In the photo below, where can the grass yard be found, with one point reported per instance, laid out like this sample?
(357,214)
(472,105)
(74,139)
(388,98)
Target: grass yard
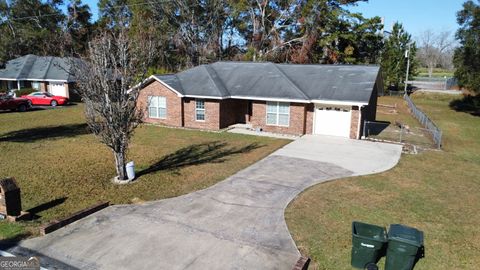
(62,168)
(394,110)
(435,191)
(437,73)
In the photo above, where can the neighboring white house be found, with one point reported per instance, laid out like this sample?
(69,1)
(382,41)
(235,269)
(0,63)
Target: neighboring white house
(42,73)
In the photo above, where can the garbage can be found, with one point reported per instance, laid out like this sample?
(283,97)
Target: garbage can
(405,247)
(368,244)
(130,167)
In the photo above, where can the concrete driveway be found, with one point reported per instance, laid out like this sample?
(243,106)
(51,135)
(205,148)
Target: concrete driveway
(236,224)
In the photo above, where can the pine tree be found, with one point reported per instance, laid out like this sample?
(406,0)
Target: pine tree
(393,60)
(467,56)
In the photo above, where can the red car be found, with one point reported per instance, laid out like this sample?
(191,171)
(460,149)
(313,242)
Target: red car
(15,104)
(43,98)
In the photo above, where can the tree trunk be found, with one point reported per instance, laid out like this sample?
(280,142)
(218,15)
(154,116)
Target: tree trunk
(120,165)
(430,71)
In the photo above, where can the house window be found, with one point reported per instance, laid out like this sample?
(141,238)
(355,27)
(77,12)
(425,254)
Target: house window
(157,107)
(36,85)
(200,110)
(278,113)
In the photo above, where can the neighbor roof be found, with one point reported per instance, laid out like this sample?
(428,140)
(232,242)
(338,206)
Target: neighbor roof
(264,80)
(37,68)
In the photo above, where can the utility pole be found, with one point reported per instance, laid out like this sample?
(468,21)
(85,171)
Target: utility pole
(407,55)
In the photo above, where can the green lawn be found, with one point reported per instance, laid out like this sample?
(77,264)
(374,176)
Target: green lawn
(436,191)
(395,111)
(62,168)
(437,73)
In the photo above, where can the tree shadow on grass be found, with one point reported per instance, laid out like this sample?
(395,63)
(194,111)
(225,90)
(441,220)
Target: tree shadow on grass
(40,133)
(45,206)
(211,152)
(469,104)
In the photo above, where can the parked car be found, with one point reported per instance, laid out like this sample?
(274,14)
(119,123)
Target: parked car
(43,98)
(8,102)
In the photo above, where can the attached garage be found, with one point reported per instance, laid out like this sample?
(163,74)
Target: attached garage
(57,89)
(332,120)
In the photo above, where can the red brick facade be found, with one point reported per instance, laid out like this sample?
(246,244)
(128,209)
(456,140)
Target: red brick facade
(354,122)
(297,118)
(212,114)
(223,113)
(174,104)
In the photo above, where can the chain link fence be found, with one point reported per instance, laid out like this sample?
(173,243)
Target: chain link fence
(399,133)
(429,136)
(426,122)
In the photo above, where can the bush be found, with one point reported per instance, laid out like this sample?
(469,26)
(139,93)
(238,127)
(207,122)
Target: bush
(25,91)
(469,103)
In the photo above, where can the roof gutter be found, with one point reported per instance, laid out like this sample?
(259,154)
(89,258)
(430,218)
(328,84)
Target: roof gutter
(339,102)
(35,80)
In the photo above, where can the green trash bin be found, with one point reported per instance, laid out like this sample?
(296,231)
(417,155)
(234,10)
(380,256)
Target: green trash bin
(368,244)
(405,247)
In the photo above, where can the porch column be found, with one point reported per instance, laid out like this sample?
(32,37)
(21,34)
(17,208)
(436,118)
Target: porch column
(18,85)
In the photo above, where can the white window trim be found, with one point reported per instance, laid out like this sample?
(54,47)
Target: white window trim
(204,110)
(277,114)
(158,114)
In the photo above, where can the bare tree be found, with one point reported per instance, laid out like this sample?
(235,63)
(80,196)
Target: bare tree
(109,80)
(434,49)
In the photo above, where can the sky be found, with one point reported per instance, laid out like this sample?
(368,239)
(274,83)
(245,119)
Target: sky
(415,15)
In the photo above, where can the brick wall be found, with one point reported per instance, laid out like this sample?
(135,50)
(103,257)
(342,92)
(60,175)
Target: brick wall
(174,104)
(297,118)
(310,110)
(354,122)
(212,114)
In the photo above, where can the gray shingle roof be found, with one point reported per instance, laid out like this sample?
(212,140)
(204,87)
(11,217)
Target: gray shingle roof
(276,81)
(32,67)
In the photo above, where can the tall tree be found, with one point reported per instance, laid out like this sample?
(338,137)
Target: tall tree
(24,28)
(109,81)
(467,56)
(393,59)
(196,28)
(434,49)
(78,27)
(114,13)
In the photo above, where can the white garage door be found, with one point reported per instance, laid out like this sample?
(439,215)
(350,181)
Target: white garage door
(57,89)
(334,121)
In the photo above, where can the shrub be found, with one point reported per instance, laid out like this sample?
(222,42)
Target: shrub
(25,91)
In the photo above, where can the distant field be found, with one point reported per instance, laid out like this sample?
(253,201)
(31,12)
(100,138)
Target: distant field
(436,191)
(438,73)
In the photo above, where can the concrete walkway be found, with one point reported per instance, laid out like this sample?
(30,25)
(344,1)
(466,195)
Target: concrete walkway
(236,224)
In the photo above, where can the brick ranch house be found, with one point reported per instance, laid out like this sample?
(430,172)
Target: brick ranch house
(42,73)
(281,98)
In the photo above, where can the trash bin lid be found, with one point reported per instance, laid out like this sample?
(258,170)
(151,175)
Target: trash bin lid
(406,234)
(368,231)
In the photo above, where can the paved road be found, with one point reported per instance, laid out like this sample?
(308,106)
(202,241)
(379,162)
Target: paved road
(236,224)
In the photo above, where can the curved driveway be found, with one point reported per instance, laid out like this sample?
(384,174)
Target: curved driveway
(236,224)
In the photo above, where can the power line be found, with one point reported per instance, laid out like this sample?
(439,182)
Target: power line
(56,14)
